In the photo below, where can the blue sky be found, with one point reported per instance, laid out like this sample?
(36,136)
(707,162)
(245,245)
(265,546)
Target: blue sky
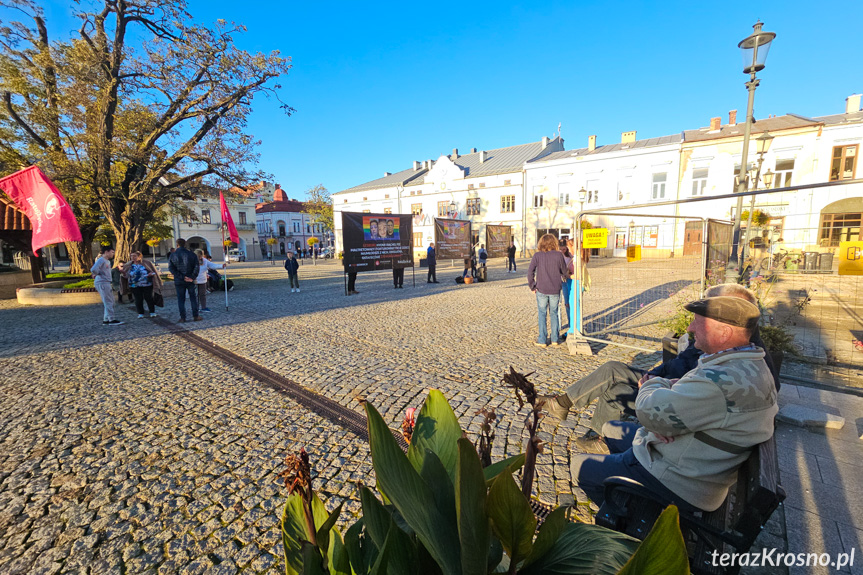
(377,85)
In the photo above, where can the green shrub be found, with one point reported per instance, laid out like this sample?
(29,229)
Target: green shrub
(88,283)
(442,512)
(65,275)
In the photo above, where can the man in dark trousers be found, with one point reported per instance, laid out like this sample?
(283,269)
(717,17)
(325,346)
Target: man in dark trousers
(398,276)
(352,279)
(184,266)
(293,266)
(510,257)
(432,261)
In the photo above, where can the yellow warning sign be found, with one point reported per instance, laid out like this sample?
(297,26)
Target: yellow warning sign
(595,238)
(633,253)
(851,258)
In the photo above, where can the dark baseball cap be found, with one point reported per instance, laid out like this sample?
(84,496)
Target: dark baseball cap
(727,309)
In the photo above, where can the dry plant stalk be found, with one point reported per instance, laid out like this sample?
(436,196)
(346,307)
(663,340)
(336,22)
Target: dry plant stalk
(486,437)
(298,479)
(521,385)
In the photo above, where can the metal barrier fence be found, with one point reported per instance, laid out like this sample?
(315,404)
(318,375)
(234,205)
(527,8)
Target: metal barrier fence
(789,257)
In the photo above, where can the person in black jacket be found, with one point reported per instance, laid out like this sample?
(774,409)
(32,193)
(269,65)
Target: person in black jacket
(184,266)
(432,262)
(510,257)
(616,384)
(293,268)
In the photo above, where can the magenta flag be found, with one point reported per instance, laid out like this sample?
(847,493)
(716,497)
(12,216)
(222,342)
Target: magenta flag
(226,218)
(50,216)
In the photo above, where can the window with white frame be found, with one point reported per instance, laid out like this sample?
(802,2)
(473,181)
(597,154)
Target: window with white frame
(565,193)
(296,227)
(658,191)
(205,216)
(242,217)
(537,196)
(442,209)
(699,181)
(782,174)
(592,187)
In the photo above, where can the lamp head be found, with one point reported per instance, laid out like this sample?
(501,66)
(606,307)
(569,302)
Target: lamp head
(582,195)
(768,178)
(764,141)
(755,48)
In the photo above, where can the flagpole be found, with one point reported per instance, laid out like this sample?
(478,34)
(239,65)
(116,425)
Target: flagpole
(225,251)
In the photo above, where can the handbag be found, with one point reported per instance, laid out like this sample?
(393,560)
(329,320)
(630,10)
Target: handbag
(158,300)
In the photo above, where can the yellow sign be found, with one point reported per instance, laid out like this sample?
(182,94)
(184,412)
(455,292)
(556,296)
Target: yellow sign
(595,238)
(633,253)
(851,258)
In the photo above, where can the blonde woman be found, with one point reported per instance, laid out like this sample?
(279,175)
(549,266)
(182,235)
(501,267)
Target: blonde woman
(201,280)
(545,277)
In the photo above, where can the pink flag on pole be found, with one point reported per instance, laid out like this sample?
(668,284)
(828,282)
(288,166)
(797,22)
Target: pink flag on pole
(50,216)
(226,218)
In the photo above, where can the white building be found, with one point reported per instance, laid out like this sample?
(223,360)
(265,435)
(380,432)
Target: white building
(283,219)
(485,187)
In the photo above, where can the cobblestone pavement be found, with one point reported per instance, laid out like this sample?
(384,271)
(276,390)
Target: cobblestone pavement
(123,450)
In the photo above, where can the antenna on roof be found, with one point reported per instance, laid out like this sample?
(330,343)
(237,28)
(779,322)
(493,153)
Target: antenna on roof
(558,129)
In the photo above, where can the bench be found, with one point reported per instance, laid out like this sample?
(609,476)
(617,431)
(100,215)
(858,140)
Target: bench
(631,508)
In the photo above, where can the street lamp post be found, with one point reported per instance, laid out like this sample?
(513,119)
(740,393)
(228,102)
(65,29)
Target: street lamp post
(755,48)
(763,145)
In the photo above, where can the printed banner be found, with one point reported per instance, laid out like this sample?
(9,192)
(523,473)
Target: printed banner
(50,216)
(497,240)
(452,239)
(377,241)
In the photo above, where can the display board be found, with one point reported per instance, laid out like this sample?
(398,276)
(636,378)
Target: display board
(377,241)
(595,238)
(497,240)
(452,239)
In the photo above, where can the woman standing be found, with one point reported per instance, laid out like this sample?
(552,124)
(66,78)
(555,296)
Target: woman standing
(141,278)
(566,248)
(545,278)
(201,280)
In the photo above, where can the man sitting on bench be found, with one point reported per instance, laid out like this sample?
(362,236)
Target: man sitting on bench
(696,430)
(615,384)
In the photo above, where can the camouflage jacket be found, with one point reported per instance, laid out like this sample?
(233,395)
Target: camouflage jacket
(712,416)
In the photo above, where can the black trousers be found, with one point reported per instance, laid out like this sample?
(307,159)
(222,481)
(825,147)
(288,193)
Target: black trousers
(352,281)
(615,384)
(143,294)
(398,276)
(432,277)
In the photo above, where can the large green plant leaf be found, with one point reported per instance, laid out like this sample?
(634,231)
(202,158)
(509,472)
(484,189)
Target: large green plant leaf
(473,531)
(584,549)
(294,532)
(512,520)
(548,534)
(495,553)
(312,561)
(495,469)
(381,527)
(324,530)
(436,477)
(663,551)
(436,430)
(397,478)
(360,548)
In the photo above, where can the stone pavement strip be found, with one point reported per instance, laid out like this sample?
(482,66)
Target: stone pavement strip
(125,450)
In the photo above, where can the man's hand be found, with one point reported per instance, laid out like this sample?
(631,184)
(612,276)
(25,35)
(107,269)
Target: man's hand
(189,280)
(663,438)
(644,379)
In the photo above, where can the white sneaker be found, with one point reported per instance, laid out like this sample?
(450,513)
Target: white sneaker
(140,316)
(154,315)
(298,290)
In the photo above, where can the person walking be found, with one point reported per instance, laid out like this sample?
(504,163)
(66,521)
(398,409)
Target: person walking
(510,257)
(398,277)
(545,277)
(293,268)
(432,262)
(141,280)
(483,255)
(101,273)
(352,279)
(569,258)
(184,267)
(205,265)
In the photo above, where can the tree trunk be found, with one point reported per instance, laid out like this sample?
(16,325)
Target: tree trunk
(81,253)
(129,238)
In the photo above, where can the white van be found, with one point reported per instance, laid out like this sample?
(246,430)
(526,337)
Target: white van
(236,255)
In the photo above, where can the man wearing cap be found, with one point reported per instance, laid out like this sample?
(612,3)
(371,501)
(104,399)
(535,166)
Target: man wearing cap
(697,430)
(615,384)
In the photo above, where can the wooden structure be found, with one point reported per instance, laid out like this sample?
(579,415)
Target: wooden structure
(16,231)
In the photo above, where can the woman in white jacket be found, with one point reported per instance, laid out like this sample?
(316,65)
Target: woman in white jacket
(201,280)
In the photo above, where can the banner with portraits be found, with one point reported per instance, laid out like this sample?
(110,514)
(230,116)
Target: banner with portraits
(377,241)
(452,239)
(497,240)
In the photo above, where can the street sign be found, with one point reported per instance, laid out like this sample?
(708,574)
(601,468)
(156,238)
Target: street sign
(595,238)
(851,258)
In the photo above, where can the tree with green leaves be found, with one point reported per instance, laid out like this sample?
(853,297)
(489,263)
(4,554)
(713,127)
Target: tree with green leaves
(320,205)
(137,109)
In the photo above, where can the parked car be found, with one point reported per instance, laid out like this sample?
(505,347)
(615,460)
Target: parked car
(236,255)
(327,252)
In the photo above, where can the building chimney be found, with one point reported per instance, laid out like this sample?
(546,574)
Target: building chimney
(715,123)
(732,118)
(387,174)
(591,143)
(454,154)
(627,137)
(544,142)
(473,150)
(852,103)
(482,157)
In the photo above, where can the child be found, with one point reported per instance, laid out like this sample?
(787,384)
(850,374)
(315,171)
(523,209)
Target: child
(293,266)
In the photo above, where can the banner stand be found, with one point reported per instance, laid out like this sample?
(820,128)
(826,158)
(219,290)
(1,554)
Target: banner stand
(346,281)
